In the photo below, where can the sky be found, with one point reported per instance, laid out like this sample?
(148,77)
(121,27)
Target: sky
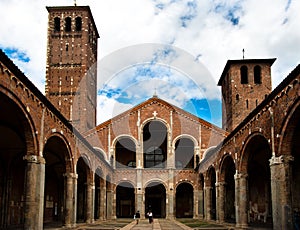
(175,49)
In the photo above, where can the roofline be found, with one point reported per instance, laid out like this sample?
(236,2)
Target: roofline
(243,61)
(87,8)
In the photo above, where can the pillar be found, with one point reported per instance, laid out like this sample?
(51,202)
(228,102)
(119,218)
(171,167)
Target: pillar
(34,188)
(170,196)
(201,203)
(207,202)
(196,204)
(102,200)
(241,200)
(220,189)
(90,199)
(70,197)
(282,212)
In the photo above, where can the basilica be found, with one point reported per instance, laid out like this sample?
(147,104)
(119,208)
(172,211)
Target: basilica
(58,166)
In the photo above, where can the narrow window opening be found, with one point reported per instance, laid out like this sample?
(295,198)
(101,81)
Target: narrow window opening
(68,24)
(244,74)
(67,47)
(56,24)
(237,97)
(78,23)
(247,104)
(257,74)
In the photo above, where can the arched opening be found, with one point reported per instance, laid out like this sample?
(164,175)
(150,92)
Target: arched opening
(98,200)
(78,23)
(16,139)
(56,24)
(201,196)
(155,199)
(184,201)
(211,196)
(125,153)
(155,144)
(55,153)
(227,174)
(125,200)
(68,24)
(244,74)
(259,181)
(82,172)
(184,154)
(257,74)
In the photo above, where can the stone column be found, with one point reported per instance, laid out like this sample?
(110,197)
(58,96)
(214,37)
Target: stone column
(102,200)
(139,192)
(109,205)
(196,204)
(74,220)
(200,203)
(170,196)
(241,200)
(69,202)
(90,199)
(207,202)
(34,188)
(220,189)
(280,192)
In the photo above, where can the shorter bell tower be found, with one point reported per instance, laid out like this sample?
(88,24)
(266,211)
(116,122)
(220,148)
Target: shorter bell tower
(245,84)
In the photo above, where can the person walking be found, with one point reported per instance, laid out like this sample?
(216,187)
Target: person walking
(150,216)
(137,216)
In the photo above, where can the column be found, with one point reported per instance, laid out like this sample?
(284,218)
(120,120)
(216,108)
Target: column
(282,212)
(196,204)
(102,200)
(170,202)
(139,192)
(90,199)
(201,203)
(75,177)
(220,188)
(207,202)
(69,204)
(34,187)
(241,196)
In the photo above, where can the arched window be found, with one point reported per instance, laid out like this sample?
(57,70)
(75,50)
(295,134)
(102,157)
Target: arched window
(154,158)
(78,24)
(67,24)
(244,74)
(257,74)
(125,153)
(56,24)
(184,154)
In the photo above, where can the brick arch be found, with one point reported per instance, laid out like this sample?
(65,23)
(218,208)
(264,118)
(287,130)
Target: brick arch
(155,180)
(223,164)
(184,182)
(208,174)
(185,136)
(287,131)
(116,139)
(69,159)
(155,119)
(102,152)
(121,181)
(244,156)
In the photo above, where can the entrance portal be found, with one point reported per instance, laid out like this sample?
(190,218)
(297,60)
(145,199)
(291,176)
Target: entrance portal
(156,199)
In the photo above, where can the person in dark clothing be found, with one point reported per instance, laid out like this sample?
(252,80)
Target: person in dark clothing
(137,216)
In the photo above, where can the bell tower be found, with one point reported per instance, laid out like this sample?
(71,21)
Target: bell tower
(245,83)
(71,70)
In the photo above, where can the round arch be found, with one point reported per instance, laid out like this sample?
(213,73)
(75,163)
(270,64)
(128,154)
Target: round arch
(125,151)
(125,200)
(210,183)
(184,153)
(101,153)
(155,198)
(184,200)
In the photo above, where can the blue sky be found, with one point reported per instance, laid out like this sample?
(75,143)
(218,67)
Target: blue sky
(177,48)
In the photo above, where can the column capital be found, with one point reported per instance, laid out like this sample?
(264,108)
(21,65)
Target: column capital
(283,159)
(71,175)
(34,159)
(238,176)
(221,183)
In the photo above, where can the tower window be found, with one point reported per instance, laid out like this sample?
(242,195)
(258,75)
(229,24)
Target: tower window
(247,104)
(237,97)
(78,23)
(68,24)
(56,24)
(244,74)
(257,74)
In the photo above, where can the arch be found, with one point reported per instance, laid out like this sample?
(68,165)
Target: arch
(68,22)
(184,200)
(185,136)
(208,152)
(78,23)
(255,163)
(101,153)
(227,172)
(56,24)
(257,74)
(184,153)
(290,146)
(17,140)
(125,200)
(125,152)
(244,74)
(155,137)
(155,199)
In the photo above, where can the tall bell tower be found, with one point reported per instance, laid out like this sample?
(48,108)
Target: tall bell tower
(71,70)
(245,83)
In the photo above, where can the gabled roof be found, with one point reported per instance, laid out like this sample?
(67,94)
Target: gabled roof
(243,61)
(155,100)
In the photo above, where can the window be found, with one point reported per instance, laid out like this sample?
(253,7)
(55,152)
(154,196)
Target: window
(244,74)
(78,24)
(257,74)
(68,24)
(237,97)
(154,158)
(56,24)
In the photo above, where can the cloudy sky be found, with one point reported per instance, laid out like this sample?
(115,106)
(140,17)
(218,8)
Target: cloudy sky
(174,48)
